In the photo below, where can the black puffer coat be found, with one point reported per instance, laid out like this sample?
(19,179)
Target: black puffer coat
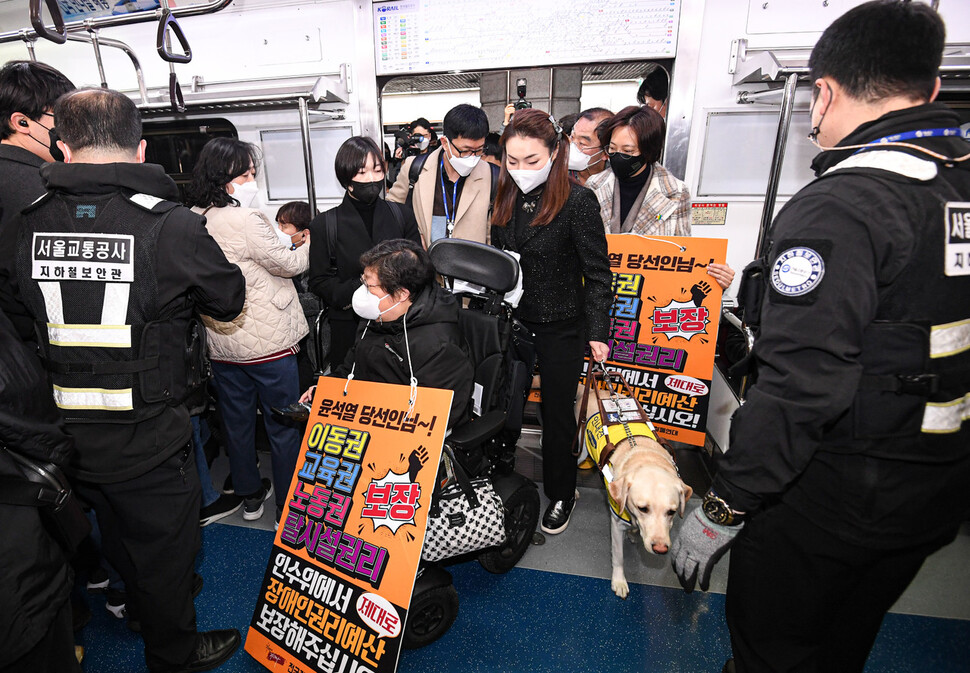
(437,347)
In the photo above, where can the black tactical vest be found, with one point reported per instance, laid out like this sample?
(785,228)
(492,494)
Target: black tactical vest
(913,402)
(87,271)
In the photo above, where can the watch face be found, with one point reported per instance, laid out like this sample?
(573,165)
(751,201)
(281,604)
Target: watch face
(716,510)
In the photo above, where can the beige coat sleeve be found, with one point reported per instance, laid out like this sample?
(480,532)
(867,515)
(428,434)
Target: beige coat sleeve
(266,249)
(399,191)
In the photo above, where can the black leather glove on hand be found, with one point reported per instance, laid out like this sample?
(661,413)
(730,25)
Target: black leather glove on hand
(700,545)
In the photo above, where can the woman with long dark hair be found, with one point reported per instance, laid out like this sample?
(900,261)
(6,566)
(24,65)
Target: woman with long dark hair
(253,356)
(342,234)
(554,225)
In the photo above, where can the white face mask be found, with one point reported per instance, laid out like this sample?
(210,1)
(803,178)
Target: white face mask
(528,180)
(284,237)
(425,142)
(367,305)
(579,160)
(247,194)
(462,165)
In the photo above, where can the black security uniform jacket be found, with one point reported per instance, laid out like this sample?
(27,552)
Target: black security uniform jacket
(193,276)
(34,575)
(803,434)
(20,185)
(565,267)
(437,349)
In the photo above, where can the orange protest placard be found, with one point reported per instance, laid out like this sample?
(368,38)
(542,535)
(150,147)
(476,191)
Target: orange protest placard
(664,332)
(338,584)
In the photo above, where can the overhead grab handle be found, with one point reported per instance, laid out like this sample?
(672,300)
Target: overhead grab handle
(175,93)
(59,36)
(164,50)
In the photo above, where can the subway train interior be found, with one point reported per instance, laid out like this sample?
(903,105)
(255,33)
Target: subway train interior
(299,77)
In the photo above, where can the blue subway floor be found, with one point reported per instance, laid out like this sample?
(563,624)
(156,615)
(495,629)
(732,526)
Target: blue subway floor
(525,621)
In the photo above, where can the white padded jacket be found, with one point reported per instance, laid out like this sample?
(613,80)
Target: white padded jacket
(272,318)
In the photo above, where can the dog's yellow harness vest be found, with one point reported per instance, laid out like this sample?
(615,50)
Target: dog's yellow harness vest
(596,440)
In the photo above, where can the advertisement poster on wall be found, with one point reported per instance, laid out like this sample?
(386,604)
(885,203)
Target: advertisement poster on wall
(338,583)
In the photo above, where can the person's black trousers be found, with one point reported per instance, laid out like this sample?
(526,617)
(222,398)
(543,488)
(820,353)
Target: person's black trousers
(559,349)
(150,534)
(801,600)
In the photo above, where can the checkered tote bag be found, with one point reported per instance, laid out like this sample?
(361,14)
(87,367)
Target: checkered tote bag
(466,515)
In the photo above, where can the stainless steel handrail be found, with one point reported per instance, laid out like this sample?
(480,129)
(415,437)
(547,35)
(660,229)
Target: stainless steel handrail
(117,44)
(777,160)
(311,187)
(122,20)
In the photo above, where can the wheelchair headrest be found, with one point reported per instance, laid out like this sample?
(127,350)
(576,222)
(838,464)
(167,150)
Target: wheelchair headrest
(475,263)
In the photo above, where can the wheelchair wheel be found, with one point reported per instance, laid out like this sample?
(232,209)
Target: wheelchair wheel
(431,614)
(521,517)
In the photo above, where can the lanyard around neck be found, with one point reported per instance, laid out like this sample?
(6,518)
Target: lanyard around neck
(449,213)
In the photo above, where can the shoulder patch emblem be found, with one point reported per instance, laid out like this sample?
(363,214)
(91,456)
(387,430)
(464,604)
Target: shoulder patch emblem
(797,271)
(146,201)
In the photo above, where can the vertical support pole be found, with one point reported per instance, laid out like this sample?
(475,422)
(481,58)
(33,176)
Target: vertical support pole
(307,155)
(777,160)
(97,57)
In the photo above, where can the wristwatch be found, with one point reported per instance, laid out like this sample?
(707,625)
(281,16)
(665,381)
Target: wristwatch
(719,512)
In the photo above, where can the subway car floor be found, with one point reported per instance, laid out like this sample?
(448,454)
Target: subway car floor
(555,612)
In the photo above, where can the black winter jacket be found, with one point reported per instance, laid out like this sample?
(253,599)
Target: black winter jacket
(873,226)
(20,185)
(336,286)
(35,579)
(192,275)
(437,348)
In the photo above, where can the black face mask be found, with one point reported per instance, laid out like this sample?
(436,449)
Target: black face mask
(366,192)
(625,165)
(55,151)
(52,137)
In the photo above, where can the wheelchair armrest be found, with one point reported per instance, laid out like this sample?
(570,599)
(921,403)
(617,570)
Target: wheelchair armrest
(477,431)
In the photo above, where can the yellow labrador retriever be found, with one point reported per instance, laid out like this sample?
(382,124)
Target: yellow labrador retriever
(645,490)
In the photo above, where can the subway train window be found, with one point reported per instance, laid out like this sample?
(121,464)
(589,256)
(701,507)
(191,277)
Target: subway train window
(737,154)
(562,90)
(285,171)
(176,144)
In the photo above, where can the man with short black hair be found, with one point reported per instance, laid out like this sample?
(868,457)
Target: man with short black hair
(28,90)
(113,270)
(451,189)
(587,156)
(848,462)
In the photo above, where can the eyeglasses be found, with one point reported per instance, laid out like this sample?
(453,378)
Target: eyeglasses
(364,282)
(583,147)
(464,154)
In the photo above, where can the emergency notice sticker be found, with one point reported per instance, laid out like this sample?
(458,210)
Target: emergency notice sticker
(97,257)
(708,213)
(956,239)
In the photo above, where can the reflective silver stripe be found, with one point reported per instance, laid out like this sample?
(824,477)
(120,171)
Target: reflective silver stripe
(114,311)
(93,398)
(949,339)
(894,161)
(52,299)
(105,336)
(946,417)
